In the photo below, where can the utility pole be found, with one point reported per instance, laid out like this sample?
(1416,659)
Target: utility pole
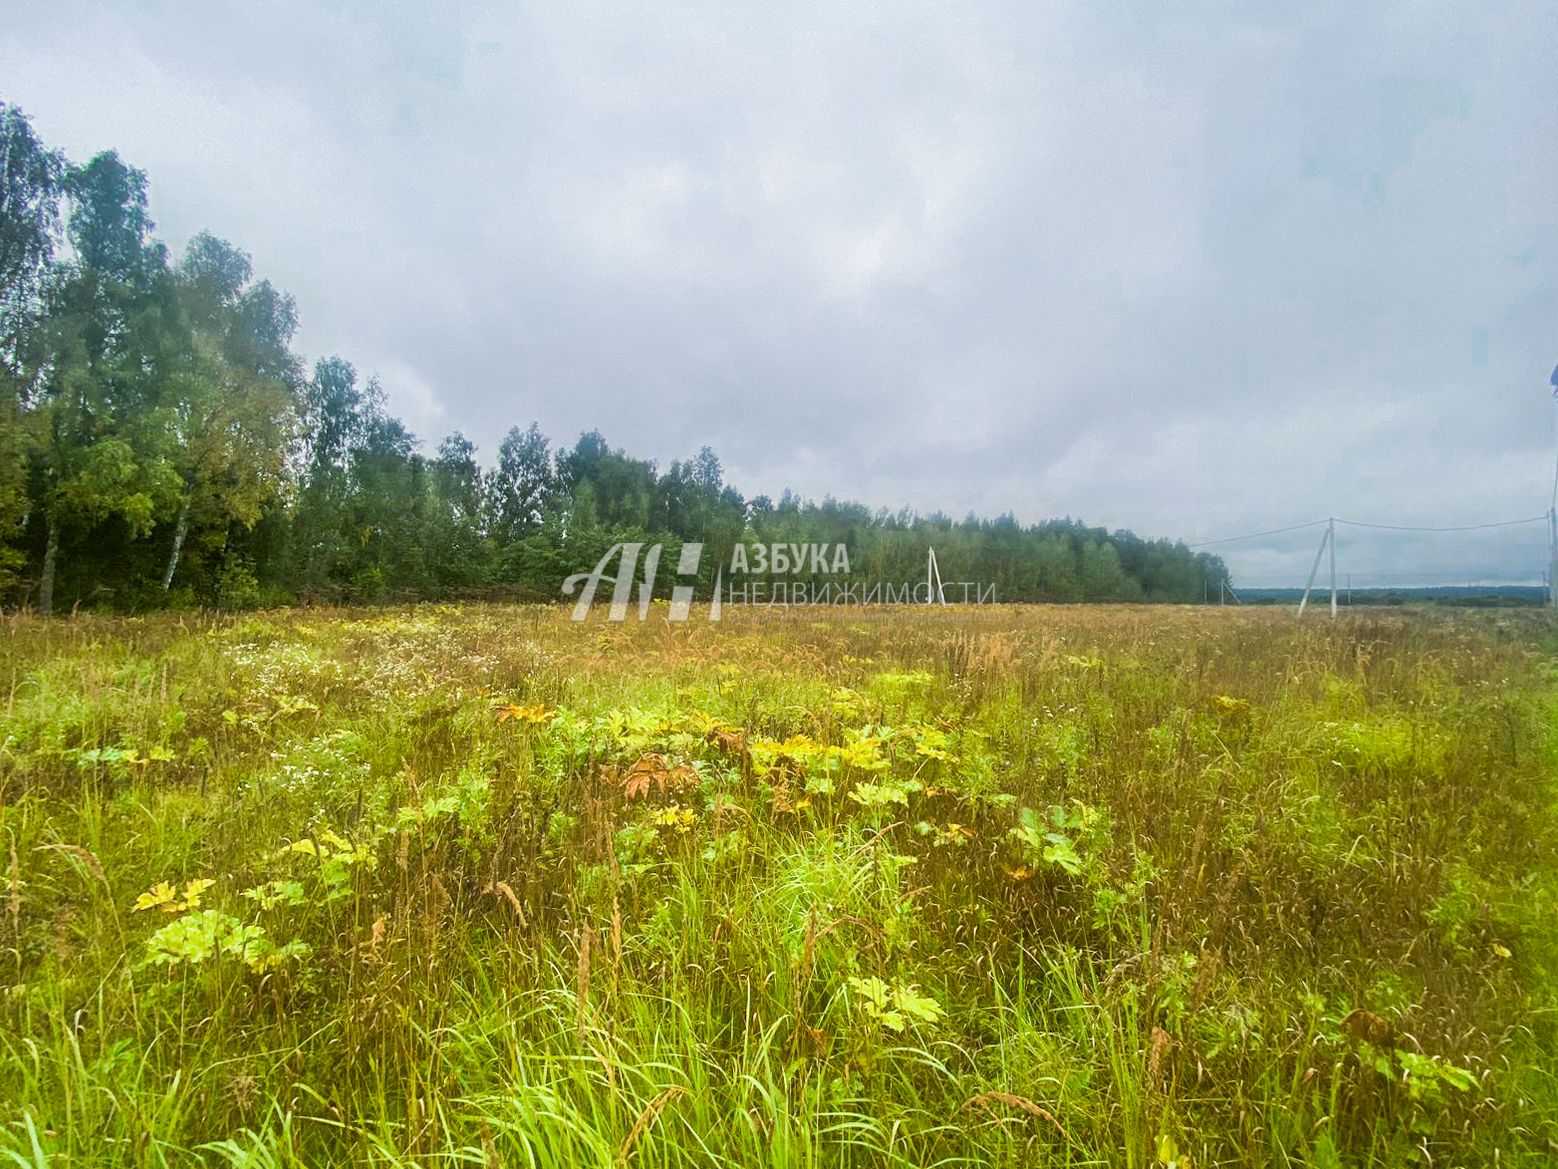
(1314,569)
(1552,517)
(933,587)
(1552,557)
(1331,534)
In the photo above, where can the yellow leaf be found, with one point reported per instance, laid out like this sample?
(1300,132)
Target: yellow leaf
(161,894)
(534,715)
(194,889)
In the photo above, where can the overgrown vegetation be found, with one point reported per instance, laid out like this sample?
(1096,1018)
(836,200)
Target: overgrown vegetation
(479,885)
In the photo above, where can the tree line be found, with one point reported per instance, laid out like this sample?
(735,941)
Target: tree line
(162,444)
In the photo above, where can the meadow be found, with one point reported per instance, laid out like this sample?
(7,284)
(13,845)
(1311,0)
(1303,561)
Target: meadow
(477,885)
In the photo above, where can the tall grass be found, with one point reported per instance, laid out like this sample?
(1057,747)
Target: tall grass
(1039,886)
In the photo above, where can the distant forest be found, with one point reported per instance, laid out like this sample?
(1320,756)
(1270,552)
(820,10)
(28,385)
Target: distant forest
(161,444)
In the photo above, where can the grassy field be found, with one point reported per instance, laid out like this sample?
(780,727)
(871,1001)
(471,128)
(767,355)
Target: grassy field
(1040,886)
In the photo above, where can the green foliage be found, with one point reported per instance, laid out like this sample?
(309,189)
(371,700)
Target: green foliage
(198,938)
(162,445)
(1100,906)
(896,1007)
(1056,839)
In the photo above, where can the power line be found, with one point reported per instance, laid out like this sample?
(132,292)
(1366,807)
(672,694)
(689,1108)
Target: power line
(1328,541)
(1253,535)
(1461,577)
(1539,519)
(1362,577)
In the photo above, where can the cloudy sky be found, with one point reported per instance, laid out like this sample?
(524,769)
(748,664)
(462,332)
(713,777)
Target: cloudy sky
(1196,269)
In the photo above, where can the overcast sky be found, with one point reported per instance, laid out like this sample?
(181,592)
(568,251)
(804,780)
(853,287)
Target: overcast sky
(1194,269)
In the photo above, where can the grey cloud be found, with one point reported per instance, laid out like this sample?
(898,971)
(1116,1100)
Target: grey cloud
(1185,269)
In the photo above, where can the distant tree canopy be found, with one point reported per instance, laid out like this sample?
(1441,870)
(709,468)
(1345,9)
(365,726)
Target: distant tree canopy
(162,444)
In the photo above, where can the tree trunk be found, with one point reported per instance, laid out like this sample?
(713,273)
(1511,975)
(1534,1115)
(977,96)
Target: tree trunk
(51,551)
(180,530)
